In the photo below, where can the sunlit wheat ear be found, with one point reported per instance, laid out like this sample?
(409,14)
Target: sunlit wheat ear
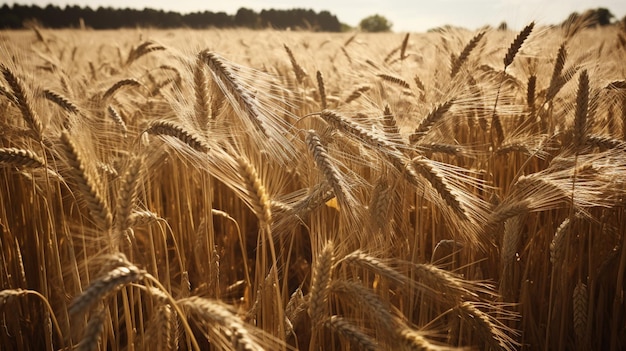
(61,101)
(173,129)
(20,158)
(297,69)
(127,195)
(128,82)
(324,164)
(234,90)
(351,332)
(259,199)
(87,181)
(375,141)
(93,331)
(321,88)
(374,265)
(464,55)
(517,44)
(557,81)
(427,123)
(229,327)
(23,100)
(424,168)
(202,107)
(490,330)
(112,281)
(320,284)
(582,107)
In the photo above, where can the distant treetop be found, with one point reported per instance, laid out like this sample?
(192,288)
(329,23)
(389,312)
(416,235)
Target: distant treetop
(17,16)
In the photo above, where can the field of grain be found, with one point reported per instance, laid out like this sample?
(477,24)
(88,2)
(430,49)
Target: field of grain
(250,190)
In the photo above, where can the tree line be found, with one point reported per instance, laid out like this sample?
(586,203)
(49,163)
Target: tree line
(19,16)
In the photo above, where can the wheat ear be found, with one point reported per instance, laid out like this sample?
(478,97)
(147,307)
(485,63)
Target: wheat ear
(374,265)
(202,106)
(88,184)
(365,299)
(517,44)
(424,168)
(297,69)
(210,310)
(582,109)
(61,100)
(93,331)
(259,198)
(394,80)
(23,101)
(128,82)
(113,280)
(464,55)
(231,86)
(427,123)
(321,90)
(489,329)
(352,333)
(320,284)
(117,118)
(20,158)
(325,165)
(405,44)
(141,50)
(558,242)
(127,195)
(580,300)
(556,80)
(173,129)
(357,92)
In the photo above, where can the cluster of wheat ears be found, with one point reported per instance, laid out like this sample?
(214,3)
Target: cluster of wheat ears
(241,190)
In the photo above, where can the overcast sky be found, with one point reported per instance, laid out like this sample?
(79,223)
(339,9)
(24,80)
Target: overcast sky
(406,15)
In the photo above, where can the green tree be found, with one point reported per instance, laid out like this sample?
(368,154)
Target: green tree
(375,23)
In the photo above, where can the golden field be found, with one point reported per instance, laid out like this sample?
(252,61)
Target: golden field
(250,190)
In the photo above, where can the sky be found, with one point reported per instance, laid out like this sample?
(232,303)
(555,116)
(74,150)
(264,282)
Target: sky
(406,15)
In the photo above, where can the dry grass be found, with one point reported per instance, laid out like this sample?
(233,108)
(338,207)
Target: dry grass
(439,191)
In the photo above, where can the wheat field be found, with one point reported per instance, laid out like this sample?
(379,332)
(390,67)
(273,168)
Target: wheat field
(267,190)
